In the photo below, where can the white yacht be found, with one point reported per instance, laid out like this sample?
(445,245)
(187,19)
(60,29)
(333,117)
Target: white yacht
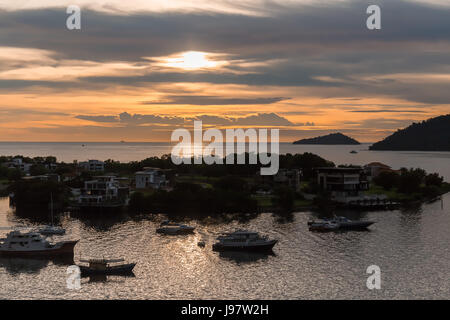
(338,223)
(169,228)
(33,244)
(245,241)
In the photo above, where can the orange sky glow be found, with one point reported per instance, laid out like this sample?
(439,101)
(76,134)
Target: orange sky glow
(135,86)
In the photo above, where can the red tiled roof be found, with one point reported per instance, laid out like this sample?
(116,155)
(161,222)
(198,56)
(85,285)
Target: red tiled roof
(378,164)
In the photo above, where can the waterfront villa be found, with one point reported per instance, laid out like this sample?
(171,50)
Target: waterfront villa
(342,183)
(373,169)
(92,165)
(150,178)
(104,191)
(286,177)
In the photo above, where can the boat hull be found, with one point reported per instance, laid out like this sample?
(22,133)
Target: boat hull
(321,228)
(355,225)
(113,270)
(352,225)
(175,232)
(66,248)
(266,247)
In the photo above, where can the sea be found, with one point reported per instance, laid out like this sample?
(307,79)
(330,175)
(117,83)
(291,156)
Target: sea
(411,246)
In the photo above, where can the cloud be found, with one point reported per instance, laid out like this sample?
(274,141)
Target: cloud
(260,119)
(99,118)
(314,53)
(387,111)
(214,100)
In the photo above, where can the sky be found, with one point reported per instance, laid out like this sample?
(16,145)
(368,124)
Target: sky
(138,69)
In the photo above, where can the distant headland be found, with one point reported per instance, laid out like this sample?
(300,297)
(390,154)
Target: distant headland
(333,138)
(429,135)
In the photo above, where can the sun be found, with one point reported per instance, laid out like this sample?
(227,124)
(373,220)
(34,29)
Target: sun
(190,60)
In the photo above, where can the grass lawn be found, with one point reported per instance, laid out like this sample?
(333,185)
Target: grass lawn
(393,194)
(302,203)
(263,200)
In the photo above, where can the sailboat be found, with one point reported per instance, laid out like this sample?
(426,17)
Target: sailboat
(52,230)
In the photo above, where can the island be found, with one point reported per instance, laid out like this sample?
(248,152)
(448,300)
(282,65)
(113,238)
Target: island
(430,135)
(332,138)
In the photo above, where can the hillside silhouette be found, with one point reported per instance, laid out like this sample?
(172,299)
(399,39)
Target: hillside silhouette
(429,135)
(333,138)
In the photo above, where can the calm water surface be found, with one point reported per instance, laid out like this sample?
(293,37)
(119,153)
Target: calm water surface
(410,246)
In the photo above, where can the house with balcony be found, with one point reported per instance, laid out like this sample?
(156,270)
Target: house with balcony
(151,178)
(92,165)
(344,184)
(103,191)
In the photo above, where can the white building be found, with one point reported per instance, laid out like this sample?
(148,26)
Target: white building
(92,165)
(373,169)
(150,178)
(103,190)
(17,163)
(342,182)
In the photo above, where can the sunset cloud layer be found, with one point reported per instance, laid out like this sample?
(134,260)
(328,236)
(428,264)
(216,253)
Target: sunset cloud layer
(138,69)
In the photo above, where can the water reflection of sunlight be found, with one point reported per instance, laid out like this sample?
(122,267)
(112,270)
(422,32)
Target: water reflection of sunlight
(190,259)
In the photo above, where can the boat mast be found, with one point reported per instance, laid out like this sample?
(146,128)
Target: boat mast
(51,206)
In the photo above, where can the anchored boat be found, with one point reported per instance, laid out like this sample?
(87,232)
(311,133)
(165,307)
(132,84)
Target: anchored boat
(169,228)
(242,240)
(106,266)
(338,223)
(345,223)
(52,229)
(323,226)
(33,244)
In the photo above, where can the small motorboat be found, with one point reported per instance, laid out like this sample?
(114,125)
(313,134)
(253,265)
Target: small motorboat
(169,228)
(353,151)
(323,226)
(20,244)
(338,223)
(201,244)
(345,223)
(242,240)
(106,267)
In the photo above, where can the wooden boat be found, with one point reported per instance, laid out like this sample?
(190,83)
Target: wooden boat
(106,266)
